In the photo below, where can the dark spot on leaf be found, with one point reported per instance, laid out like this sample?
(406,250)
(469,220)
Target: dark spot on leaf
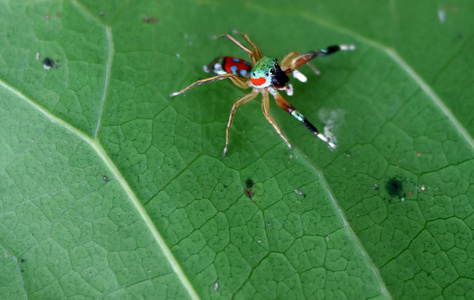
(22,260)
(248,188)
(105,178)
(150,19)
(394,187)
(248,183)
(48,63)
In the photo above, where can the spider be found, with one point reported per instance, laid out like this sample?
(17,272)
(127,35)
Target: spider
(265,76)
(238,66)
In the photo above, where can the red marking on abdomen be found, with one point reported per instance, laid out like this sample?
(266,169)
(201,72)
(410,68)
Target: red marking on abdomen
(241,65)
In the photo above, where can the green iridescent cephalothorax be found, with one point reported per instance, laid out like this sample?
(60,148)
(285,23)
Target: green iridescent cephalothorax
(263,71)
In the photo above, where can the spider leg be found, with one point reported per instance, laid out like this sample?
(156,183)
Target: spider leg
(266,113)
(286,63)
(233,40)
(202,81)
(241,82)
(299,116)
(294,62)
(257,52)
(240,101)
(288,88)
(255,55)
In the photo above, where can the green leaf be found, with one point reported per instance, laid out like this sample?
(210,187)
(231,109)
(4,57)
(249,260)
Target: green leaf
(110,189)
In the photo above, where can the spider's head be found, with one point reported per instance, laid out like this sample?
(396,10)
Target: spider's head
(267,72)
(263,71)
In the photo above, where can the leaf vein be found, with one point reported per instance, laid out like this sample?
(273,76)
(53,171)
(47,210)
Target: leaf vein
(97,147)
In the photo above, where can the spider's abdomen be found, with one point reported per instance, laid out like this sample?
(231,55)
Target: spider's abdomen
(229,65)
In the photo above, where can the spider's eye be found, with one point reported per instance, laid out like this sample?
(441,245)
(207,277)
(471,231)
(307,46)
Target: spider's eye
(266,74)
(254,74)
(272,71)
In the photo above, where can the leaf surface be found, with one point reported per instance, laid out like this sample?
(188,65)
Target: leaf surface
(110,189)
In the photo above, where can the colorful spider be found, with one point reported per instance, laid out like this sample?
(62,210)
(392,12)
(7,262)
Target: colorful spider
(265,76)
(238,66)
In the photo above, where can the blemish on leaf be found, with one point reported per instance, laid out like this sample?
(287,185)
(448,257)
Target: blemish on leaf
(48,63)
(150,19)
(248,183)
(216,286)
(248,193)
(300,193)
(105,178)
(394,188)
(441,15)
(22,260)
(248,188)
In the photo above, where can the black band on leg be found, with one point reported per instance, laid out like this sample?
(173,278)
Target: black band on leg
(332,49)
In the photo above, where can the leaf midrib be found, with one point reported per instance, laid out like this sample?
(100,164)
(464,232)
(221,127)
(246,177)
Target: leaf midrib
(97,147)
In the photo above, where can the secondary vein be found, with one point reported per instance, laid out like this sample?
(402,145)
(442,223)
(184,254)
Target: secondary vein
(107,77)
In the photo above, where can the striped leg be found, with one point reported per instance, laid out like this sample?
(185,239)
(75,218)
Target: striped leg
(237,103)
(299,116)
(289,65)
